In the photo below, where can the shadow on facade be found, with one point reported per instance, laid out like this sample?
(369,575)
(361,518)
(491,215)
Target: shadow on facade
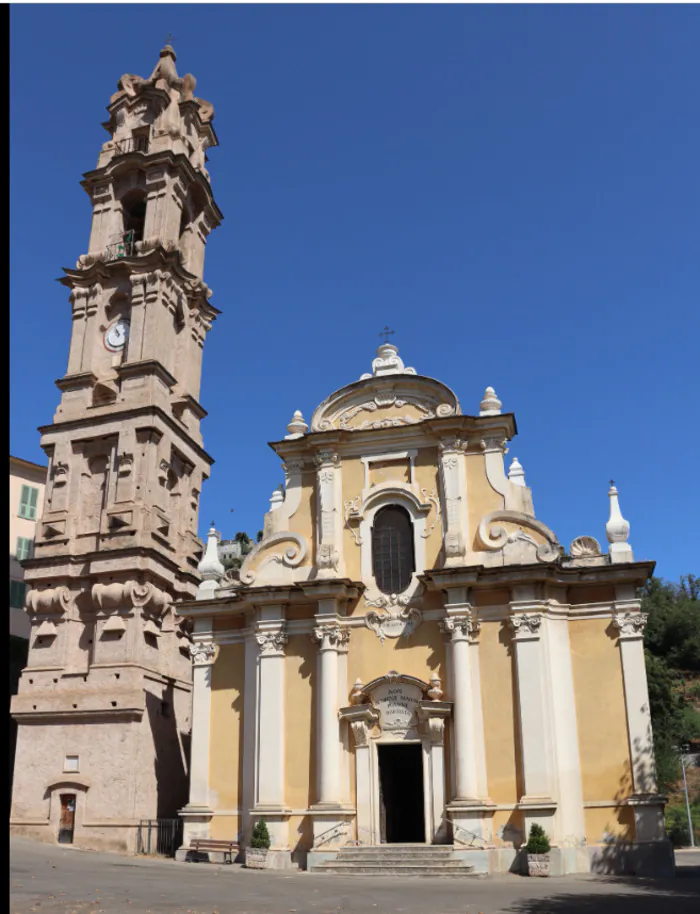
(169,765)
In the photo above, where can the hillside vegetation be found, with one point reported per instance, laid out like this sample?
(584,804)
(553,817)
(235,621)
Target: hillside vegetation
(672,650)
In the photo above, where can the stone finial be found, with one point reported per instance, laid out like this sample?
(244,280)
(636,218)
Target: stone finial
(387,362)
(356,692)
(277,498)
(516,473)
(617,530)
(297,427)
(210,568)
(435,692)
(490,405)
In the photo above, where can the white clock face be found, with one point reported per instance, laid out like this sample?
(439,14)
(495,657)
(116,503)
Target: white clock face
(117,335)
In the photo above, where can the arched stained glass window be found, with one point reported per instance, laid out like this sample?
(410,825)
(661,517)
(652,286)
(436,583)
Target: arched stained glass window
(393,558)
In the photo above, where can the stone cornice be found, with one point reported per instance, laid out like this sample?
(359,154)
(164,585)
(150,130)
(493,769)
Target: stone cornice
(481,577)
(115,413)
(161,157)
(429,432)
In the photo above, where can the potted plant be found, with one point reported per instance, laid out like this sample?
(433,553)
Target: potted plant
(537,848)
(256,854)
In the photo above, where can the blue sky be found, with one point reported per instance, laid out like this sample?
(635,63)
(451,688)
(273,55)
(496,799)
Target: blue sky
(513,189)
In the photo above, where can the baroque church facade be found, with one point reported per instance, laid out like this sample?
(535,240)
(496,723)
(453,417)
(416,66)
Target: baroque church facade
(408,656)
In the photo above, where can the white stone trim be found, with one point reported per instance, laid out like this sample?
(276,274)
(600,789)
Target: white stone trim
(380,497)
(203,651)
(568,790)
(639,733)
(531,711)
(387,457)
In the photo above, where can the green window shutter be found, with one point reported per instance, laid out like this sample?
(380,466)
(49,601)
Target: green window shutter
(23,549)
(17,591)
(27,502)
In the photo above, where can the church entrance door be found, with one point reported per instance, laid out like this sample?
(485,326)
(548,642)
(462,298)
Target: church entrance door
(401,808)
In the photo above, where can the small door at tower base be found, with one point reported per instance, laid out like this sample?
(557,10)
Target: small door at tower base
(66,824)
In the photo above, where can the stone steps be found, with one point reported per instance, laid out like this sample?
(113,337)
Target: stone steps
(396,860)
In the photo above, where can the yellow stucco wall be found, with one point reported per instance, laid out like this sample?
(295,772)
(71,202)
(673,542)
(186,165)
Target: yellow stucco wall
(300,721)
(499,709)
(420,655)
(603,823)
(509,822)
(225,828)
(481,498)
(225,770)
(600,710)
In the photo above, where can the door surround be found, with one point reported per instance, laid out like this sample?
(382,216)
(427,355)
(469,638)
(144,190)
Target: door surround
(393,709)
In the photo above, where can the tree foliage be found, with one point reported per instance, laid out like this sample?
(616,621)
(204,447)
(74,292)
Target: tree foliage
(672,642)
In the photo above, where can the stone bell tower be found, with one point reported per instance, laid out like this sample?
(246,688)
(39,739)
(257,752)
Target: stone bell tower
(104,703)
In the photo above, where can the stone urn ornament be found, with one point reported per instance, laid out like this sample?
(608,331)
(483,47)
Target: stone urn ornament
(256,854)
(537,849)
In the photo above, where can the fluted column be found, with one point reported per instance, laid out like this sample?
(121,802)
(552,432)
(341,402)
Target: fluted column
(328,762)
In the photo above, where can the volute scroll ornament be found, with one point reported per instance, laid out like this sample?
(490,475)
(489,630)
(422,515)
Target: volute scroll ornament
(493,537)
(291,557)
(526,626)
(50,600)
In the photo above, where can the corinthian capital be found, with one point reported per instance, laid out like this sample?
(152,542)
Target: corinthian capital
(330,637)
(271,643)
(630,625)
(460,628)
(526,626)
(202,653)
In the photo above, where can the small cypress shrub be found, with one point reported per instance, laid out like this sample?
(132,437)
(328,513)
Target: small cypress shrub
(261,836)
(538,842)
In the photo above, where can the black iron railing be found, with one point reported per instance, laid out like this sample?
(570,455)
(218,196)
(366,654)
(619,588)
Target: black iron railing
(123,247)
(131,144)
(159,837)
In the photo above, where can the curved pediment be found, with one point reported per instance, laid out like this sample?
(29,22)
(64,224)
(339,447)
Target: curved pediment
(385,402)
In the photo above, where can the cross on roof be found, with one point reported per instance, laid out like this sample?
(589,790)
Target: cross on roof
(169,39)
(612,482)
(386,333)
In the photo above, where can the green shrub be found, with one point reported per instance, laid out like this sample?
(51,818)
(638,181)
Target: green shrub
(261,836)
(538,842)
(677,823)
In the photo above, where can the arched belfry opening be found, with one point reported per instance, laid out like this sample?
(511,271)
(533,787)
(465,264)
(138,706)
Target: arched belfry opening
(393,555)
(134,216)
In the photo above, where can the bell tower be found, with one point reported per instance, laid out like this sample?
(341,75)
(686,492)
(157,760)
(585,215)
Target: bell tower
(104,703)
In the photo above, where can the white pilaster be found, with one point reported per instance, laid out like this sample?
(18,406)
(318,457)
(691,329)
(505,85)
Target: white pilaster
(329,562)
(569,824)
(630,624)
(270,732)
(647,805)
(536,764)
(197,814)
(453,477)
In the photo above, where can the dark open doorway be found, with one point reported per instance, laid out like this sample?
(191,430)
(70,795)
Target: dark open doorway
(401,794)
(67,822)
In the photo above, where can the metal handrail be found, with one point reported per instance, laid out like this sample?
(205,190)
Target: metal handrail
(131,144)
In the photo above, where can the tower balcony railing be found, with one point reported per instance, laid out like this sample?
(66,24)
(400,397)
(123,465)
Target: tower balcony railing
(131,144)
(123,246)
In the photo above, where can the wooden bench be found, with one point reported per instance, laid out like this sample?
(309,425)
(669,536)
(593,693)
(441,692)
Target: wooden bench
(226,848)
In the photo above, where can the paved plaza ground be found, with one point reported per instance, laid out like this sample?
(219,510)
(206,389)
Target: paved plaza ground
(58,880)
